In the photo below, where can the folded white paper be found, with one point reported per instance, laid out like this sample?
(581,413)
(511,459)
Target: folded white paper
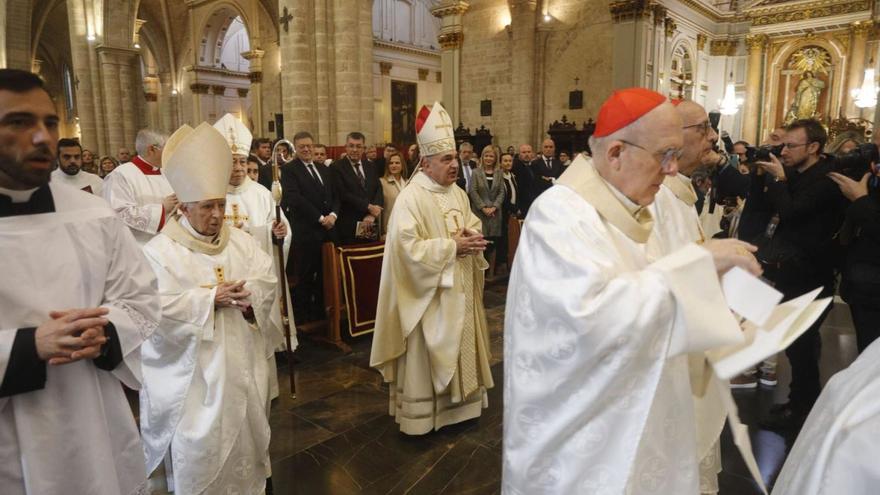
(785,324)
(748,296)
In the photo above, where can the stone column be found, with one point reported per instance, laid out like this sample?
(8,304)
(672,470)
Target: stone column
(151,96)
(386,117)
(756,44)
(298,71)
(167,104)
(119,106)
(857,48)
(89,101)
(450,39)
(632,31)
(255,57)
(365,69)
(199,90)
(218,91)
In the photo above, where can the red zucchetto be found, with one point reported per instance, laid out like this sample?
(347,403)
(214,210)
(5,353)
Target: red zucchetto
(624,107)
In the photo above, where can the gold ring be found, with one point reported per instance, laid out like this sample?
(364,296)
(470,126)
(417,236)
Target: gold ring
(742,251)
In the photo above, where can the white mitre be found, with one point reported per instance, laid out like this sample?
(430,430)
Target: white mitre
(434,131)
(237,135)
(197,163)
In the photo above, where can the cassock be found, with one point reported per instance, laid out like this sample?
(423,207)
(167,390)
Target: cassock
(135,190)
(678,225)
(836,451)
(597,332)
(68,429)
(205,383)
(82,180)
(252,208)
(431,340)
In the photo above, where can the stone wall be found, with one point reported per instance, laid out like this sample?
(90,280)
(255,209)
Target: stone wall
(574,43)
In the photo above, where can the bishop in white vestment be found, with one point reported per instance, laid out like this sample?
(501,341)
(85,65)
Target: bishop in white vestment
(251,208)
(140,193)
(431,340)
(65,428)
(601,320)
(205,374)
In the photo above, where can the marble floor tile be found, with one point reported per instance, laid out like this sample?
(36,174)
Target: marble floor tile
(347,409)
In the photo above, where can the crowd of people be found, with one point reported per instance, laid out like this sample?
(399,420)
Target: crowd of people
(172,285)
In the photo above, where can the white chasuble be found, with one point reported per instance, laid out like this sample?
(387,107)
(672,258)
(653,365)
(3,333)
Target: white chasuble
(205,375)
(135,191)
(596,340)
(82,180)
(836,451)
(431,340)
(251,208)
(77,434)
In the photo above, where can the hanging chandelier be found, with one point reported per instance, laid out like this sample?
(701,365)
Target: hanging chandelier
(866,96)
(730,104)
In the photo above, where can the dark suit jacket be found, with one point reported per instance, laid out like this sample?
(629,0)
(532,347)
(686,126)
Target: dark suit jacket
(541,174)
(353,197)
(524,179)
(265,174)
(305,201)
(461,182)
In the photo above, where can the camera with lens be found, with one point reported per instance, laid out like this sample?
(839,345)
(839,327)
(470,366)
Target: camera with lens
(857,162)
(762,153)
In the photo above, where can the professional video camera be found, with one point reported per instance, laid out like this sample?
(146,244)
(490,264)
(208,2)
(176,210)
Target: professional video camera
(857,162)
(762,153)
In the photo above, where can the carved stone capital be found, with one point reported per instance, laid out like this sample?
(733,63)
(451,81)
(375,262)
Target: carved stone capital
(756,42)
(423,74)
(722,48)
(669,27)
(252,55)
(701,42)
(256,77)
(151,97)
(450,40)
(385,68)
(659,14)
(199,88)
(242,92)
(451,7)
(861,28)
(624,10)
(218,89)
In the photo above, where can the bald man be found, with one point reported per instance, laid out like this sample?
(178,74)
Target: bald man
(601,320)
(546,168)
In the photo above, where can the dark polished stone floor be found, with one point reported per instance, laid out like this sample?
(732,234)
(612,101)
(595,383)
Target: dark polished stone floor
(337,437)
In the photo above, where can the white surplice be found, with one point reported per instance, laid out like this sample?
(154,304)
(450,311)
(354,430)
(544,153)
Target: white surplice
(77,434)
(205,377)
(431,340)
(81,180)
(136,193)
(251,207)
(597,333)
(837,449)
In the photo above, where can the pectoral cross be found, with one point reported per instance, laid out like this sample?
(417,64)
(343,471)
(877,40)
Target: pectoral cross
(219,274)
(235,217)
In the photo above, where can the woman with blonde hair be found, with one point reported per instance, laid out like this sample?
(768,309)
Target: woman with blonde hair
(845,142)
(392,183)
(487,197)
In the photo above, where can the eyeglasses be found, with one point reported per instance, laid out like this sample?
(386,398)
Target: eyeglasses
(668,155)
(792,146)
(702,127)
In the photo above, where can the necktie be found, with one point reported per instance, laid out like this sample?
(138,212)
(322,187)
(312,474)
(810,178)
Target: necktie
(360,175)
(314,173)
(547,162)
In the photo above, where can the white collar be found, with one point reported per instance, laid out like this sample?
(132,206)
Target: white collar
(18,195)
(184,222)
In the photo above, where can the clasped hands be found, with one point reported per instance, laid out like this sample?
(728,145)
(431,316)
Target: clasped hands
(469,242)
(232,295)
(490,211)
(71,335)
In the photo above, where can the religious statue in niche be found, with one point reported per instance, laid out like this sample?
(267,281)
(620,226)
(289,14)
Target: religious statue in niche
(810,61)
(403,112)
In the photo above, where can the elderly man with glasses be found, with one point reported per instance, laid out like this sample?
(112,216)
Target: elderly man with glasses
(797,252)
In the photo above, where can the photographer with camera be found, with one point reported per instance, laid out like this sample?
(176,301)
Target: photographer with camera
(860,281)
(796,249)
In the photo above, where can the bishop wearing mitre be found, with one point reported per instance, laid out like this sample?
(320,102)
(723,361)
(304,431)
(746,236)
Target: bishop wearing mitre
(601,321)
(203,405)
(431,340)
(251,208)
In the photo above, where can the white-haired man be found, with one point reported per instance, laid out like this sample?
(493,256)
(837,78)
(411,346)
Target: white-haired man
(601,320)
(203,405)
(431,341)
(139,192)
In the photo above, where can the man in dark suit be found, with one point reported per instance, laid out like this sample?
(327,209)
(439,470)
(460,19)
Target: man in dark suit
(311,205)
(261,148)
(360,192)
(465,159)
(545,169)
(524,177)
